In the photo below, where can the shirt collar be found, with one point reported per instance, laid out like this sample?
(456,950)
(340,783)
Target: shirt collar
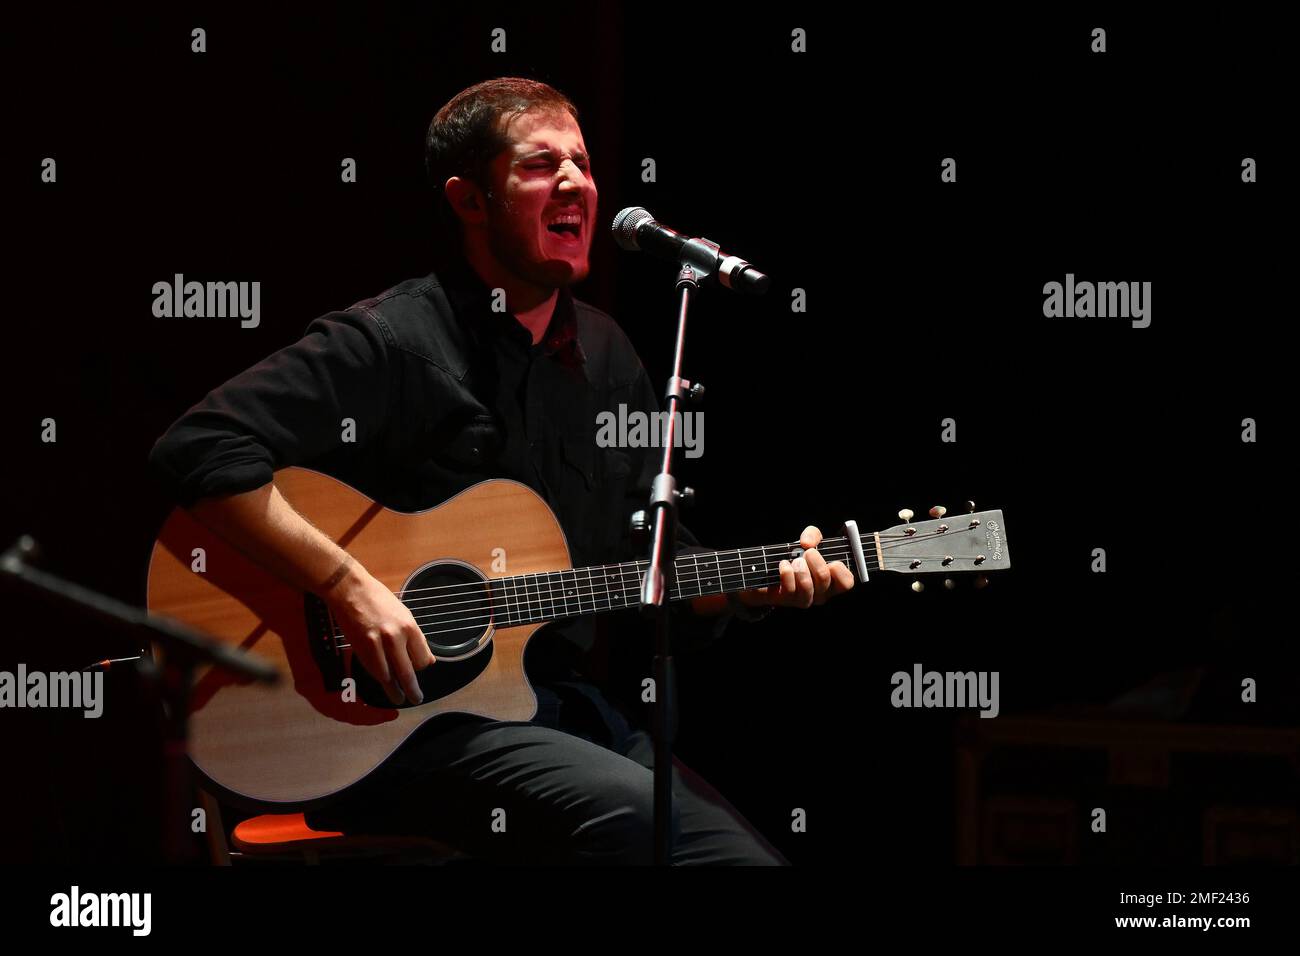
(471,301)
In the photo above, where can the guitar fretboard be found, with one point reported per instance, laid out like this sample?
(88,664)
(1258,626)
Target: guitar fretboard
(552,595)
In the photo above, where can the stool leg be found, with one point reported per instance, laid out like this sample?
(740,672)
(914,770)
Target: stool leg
(218,849)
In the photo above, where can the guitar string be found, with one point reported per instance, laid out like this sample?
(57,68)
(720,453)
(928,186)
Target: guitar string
(479,592)
(510,587)
(896,542)
(506,596)
(481,620)
(525,591)
(536,598)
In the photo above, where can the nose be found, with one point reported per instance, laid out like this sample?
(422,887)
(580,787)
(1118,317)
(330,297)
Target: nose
(574,177)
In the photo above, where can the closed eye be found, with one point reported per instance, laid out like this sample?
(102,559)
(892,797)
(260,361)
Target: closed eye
(581,164)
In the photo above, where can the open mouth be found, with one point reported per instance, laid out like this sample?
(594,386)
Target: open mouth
(565,224)
(570,231)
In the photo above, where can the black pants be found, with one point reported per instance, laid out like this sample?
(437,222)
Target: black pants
(574,786)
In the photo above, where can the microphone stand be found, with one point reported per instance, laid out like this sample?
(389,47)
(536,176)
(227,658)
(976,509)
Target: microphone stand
(184,649)
(661,574)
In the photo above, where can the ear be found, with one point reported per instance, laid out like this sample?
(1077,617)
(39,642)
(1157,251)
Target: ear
(466,200)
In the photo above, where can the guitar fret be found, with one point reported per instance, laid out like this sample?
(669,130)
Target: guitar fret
(708,583)
(537,590)
(574,592)
(571,594)
(756,577)
(581,609)
(610,594)
(623,573)
(616,585)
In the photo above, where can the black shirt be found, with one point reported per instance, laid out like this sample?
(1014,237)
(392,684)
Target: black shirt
(443,392)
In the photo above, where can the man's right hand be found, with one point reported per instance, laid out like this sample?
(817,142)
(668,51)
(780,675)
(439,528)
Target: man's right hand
(380,628)
(382,632)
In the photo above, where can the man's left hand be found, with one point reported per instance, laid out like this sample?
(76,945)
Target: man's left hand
(805,581)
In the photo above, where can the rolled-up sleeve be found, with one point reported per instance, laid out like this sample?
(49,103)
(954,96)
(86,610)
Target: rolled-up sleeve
(287,409)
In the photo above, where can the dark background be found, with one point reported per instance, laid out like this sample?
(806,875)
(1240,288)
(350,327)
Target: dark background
(924,302)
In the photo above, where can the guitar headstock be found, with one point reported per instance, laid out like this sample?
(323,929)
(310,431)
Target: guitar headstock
(946,544)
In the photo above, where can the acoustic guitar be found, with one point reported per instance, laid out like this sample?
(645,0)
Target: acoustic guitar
(481,573)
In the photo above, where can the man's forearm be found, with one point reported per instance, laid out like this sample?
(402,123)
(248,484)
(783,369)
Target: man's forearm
(266,528)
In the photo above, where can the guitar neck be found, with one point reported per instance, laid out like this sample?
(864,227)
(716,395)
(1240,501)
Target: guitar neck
(552,595)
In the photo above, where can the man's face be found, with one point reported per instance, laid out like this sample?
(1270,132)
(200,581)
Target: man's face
(543,201)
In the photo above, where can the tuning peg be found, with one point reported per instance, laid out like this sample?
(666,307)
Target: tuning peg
(696,394)
(905,515)
(24,550)
(970,507)
(918,586)
(949,583)
(686,496)
(982,581)
(938,511)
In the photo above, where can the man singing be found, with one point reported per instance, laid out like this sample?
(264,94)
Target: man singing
(445,392)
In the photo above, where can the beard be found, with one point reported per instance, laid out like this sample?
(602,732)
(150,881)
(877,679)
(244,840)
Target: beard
(513,243)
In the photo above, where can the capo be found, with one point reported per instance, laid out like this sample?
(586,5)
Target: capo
(855,546)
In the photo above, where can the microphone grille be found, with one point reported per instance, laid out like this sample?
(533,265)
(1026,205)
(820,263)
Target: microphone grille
(626,223)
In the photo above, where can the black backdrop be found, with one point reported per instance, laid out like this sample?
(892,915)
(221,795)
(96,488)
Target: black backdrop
(924,302)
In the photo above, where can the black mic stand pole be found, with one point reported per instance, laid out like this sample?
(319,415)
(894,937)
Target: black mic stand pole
(660,576)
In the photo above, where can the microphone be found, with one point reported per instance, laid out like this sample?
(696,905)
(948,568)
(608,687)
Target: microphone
(636,231)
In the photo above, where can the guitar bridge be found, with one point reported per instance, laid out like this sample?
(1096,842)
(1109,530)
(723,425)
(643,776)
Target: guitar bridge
(322,637)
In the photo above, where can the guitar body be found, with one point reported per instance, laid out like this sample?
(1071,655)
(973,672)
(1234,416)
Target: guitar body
(301,739)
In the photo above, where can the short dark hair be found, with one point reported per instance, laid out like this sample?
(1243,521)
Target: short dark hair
(465,137)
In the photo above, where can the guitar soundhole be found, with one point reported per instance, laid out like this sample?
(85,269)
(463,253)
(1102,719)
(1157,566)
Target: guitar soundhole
(452,605)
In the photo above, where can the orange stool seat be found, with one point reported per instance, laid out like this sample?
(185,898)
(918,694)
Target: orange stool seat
(278,829)
(280,834)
